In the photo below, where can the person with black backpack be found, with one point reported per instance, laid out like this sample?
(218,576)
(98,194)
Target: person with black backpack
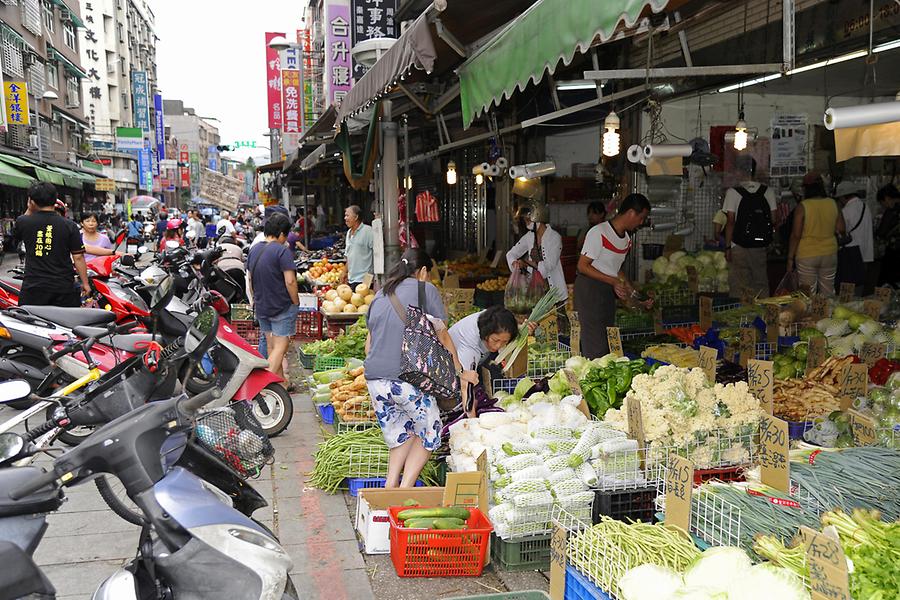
(750,208)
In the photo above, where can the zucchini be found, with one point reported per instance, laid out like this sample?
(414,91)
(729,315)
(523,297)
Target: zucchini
(449,524)
(434,513)
(427,523)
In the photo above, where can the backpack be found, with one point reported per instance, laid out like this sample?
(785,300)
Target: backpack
(753,223)
(134,230)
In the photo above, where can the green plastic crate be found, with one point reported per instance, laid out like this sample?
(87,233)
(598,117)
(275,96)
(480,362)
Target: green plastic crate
(522,554)
(327,363)
(307,361)
(522,595)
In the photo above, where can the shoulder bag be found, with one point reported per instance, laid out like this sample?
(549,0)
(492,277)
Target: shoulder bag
(425,362)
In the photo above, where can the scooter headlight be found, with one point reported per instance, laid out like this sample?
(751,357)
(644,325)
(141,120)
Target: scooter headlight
(252,537)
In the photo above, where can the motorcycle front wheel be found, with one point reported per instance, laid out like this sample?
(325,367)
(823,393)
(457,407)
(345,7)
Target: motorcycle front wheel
(273,408)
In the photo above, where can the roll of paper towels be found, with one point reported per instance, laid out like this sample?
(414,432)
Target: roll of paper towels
(480,169)
(667,150)
(502,162)
(541,169)
(860,116)
(485,167)
(493,171)
(635,153)
(518,171)
(663,211)
(685,230)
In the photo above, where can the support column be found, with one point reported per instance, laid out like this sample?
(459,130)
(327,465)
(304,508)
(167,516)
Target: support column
(389,187)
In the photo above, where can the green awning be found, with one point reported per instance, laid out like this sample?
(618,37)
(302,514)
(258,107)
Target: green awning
(67,64)
(49,175)
(13,177)
(534,43)
(17,161)
(70,178)
(73,14)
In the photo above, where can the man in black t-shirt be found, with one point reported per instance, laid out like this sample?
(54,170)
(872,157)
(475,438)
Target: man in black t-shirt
(52,245)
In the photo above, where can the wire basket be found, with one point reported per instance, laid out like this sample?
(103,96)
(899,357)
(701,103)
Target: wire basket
(234,434)
(681,295)
(544,364)
(712,449)
(369,461)
(505,385)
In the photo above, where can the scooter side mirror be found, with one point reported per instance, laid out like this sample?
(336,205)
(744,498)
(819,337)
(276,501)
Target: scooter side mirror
(162,294)
(11,445)
(202,333)
(14,389)
(142,250)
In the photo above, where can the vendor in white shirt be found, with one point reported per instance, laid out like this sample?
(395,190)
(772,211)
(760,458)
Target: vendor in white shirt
(855,258)
(539,248)
(600,276)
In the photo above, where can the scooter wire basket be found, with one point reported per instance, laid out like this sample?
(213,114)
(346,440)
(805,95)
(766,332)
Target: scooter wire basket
(235,435)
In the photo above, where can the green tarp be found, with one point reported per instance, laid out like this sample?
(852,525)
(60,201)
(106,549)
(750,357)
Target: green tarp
(534,43)
(13,177)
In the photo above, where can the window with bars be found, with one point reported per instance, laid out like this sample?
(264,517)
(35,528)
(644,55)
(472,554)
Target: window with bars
(17,136)
(56,130)
(70,39)
(12,59)
(72,97)
(53,75)
(31,16)
(11,2)
(49,17)
(37,80)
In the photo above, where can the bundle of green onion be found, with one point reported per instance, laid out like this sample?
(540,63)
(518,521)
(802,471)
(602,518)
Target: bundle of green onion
(543,308)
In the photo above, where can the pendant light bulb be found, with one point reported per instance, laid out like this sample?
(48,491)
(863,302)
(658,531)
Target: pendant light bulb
(451,173)
(479,179)
(611,135)
(408,182)
(740,135)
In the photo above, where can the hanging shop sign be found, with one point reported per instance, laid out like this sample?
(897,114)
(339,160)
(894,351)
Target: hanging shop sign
(372,19)
(15,94)
(787,148)
(129,139)
(184,157)
(306,74)
(292,101)
(141,100)
(338,80)
(160,134)
(273,81)
(3,108)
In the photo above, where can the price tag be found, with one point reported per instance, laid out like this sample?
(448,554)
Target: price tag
(863,428)
(679,485)
(708,358)
(855,384)
(883,295)
(848,290)
(747,344)
(693,280)
(706,312)
(558,554)
(761,380)
(615,341)
(550,328)
(827,565)
(819,307)
(575,336)
(816,353)
(872,309)
(871,353)
(635,420)
(657,320)
(773,453)
(772,323)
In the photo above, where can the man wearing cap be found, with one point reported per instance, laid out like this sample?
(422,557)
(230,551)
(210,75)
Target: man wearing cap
(854,256)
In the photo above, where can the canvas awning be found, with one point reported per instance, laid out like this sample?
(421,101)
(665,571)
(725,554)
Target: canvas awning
(313,158)
(549,32)
(13,177)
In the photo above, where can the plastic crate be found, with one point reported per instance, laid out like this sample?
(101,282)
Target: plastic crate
(241,312)
(624,505)
(522,554)
(309,326)
(634,322)
(579,587)
(680,313)
(726,474)
(249,330)
(796,429)
(440,553)
(354,484)
(523,595)
(327,363)
(326,413)
(307,361)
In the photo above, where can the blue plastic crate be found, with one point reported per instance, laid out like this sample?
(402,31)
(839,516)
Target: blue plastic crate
(796,429)
(354,484)
(579,587)
(326,413)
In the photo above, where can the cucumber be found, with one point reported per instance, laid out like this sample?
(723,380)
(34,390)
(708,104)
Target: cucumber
(449,524)
(427,523)
(434,513)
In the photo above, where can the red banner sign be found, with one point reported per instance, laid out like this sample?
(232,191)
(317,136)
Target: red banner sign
(273,82)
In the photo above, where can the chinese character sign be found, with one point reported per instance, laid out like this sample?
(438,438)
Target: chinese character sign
(16,95)
(292,101)
(273,81)
(306,74)
(160,129)
(338,76)
(372,19)
(141,100)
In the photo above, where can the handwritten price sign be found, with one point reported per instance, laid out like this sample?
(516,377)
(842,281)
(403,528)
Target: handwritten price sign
(761,379)
(871,353)
(862,428)
(848,290)
(747,344)
(819,307)
(708,358)
(827,565)
(856,380)
(615,341)
(773,453)
(679,486)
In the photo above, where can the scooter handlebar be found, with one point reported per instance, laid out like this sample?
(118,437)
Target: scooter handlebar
(190,406)
(42,480)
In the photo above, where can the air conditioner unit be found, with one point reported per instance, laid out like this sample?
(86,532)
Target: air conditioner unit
(33,140)
(29,59)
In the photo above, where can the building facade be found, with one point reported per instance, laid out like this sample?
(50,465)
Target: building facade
(193,141)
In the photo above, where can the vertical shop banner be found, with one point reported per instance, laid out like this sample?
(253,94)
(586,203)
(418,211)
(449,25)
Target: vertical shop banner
(372,19)
(273,81)
(787,148)
(15,95)
(292,101)
(184,160)
(213,158)
(338,67)
(195,172)
(306,74)
(2,105)
(145,168)
(141,100)
(160,130)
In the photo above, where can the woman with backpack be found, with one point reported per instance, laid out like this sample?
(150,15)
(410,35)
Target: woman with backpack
(409,418)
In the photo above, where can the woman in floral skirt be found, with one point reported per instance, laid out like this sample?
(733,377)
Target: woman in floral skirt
(410,419)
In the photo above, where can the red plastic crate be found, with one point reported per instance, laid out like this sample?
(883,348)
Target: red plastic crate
(309,326)
(724,474)
(249,330)
(440,553)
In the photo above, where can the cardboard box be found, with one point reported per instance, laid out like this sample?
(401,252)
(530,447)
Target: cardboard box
(462,489)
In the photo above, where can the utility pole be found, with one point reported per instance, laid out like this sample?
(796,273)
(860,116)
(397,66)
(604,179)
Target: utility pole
(389,187)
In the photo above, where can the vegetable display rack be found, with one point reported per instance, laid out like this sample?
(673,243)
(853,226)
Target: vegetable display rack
(355,484)
(367,461)
(505,385)
(520,595)
(440,553)
(340,425)
(634,322)
(544,364)
(327,363)
(681,295)
(525,554)
(591,557)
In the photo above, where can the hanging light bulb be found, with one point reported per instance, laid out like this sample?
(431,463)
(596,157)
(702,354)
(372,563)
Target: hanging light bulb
(408,182)
(740,134)
(451,173)
(611,135)
(479,179)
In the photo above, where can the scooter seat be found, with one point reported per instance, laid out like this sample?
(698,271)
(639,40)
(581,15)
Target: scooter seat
(134,342)
(72,317)
(11,286)
(44,500)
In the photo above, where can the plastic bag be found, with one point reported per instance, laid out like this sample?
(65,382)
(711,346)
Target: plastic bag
(789,284)
(516,295)
(537,287)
